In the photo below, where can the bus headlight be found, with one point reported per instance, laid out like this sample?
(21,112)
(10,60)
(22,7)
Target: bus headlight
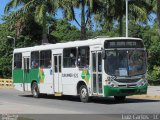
(143,82)
(110,83)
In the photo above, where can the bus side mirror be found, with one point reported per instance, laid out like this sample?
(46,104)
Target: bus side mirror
(103,54)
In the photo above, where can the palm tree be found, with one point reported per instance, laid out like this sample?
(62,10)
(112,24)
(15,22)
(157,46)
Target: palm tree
(158,12)
(156,9)
(69,12)
(40,9)
(115,10)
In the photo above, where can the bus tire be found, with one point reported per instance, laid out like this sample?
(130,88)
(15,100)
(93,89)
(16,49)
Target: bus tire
(120,98)
(35,90)
(84,96)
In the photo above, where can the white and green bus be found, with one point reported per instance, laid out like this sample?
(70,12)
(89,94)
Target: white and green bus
(96,67)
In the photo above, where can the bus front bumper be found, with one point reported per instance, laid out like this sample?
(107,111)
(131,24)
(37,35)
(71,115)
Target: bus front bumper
(119,91)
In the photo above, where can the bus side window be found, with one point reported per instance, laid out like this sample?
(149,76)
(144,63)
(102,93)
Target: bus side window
(18,60)
(83,57)
(35,59)
(45,59)
(69,57)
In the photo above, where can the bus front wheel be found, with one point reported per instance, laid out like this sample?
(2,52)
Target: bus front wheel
(120,98)
(84,97)
(35,90)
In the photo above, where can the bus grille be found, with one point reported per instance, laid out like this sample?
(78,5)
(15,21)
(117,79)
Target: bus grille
(128,85)
(127,80)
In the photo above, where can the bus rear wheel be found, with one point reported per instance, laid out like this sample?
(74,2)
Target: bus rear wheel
(35,90)
(120,98)
(84,96)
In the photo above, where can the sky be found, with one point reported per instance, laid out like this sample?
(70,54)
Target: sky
(2,6)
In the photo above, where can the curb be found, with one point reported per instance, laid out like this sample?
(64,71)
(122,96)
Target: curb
(145,96)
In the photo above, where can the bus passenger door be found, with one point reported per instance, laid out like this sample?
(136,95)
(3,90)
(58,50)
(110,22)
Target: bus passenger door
(97,72)
(57,76)
(26,73)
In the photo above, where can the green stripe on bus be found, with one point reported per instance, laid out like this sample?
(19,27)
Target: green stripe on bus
(33,75)
(117,91)
(18,75)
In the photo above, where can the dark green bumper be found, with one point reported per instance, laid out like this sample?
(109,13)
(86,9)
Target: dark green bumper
(118,91)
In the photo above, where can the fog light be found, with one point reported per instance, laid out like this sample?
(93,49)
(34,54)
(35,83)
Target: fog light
(112,85)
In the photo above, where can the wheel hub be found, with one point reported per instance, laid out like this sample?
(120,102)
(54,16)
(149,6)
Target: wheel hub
(35,91)
(84,93)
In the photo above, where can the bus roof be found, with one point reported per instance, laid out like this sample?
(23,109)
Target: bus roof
(89,42)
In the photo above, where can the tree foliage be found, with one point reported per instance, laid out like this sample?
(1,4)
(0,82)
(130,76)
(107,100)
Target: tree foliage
(6,49)
(64,32)
(39,9)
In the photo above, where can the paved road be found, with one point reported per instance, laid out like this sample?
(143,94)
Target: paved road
(13,101)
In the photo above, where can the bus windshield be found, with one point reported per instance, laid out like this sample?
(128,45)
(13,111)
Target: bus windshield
(125,62)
